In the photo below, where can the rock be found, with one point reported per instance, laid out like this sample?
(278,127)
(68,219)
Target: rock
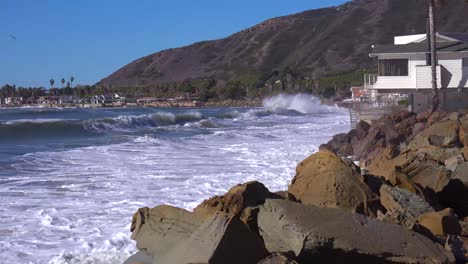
(418,128)
(422,171)
(238,198)
(139,258)
(465,152)
(441,134)
(436,117)
(403,207)
(463,134)
(438,154)
(278,258)
(441,223)
(324,180)
(327,235)
(461,173)
(464,228)
(455,245)
(221,239)
(452,163)
(159,229)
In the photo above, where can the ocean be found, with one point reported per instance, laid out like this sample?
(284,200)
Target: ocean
(71,179)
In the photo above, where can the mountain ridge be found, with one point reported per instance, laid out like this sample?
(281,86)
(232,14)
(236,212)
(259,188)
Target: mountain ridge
(312,43)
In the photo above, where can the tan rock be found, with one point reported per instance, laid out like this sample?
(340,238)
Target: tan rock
(159,229)
(464,131)
(453,162)
(441,223)
(443,134)
(324,180)
(328,235)
(238,198)
(221,239)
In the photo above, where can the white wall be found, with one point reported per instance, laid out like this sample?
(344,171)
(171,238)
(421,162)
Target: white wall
(453,74)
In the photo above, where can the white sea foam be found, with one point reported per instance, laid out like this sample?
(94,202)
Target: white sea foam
(302,103)
(76,205)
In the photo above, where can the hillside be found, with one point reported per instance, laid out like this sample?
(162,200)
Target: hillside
(313,43)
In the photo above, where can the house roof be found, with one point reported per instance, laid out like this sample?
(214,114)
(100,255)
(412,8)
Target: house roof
(453,46)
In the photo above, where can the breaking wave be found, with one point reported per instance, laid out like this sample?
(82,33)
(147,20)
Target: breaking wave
(301,103)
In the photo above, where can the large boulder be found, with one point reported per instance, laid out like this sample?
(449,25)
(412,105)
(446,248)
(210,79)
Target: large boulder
(324,180)
(159,229)
(403,207)
(238,198)
(425,172)
(441,134)
(441,223)
(221,239)
(327,235)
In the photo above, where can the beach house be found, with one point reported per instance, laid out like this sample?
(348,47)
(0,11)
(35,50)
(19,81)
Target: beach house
(403,69)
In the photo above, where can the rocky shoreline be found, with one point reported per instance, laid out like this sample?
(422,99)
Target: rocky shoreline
(406,202)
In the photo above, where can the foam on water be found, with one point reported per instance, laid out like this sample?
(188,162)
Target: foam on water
(75,206)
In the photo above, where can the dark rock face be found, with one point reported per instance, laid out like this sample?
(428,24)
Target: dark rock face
(278,259)
(315,234)
(319,41)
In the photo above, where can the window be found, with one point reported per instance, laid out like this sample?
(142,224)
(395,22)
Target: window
(465,62)
(397,67)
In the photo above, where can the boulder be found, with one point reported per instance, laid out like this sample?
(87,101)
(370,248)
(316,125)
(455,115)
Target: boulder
(455,245)
(139,258)
(438,154)
(453,162)
(328,235)
(403,206)
(159,229)
(440,223)
(278,258)
(221,239)
(455,195)
(324,180)
(441,134)
(464,228)
(461,173)
(238,198)
(463,134)
(427,173)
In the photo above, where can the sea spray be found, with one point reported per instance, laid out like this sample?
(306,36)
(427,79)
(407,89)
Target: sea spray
(302,103)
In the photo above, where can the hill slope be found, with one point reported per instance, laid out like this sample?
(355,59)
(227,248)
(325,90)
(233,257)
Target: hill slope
(313,43)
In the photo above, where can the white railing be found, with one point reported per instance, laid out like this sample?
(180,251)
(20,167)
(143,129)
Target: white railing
(370,80)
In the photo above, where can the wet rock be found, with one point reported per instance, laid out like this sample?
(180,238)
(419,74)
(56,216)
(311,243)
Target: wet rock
(278,258)
(159,229)
(441,223)
(325,180)
(221,239)
(238,198)
(403,207)
(330,235)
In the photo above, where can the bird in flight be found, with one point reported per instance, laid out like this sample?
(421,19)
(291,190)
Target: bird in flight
(12,37)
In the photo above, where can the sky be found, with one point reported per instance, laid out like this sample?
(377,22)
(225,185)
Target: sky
(90,39)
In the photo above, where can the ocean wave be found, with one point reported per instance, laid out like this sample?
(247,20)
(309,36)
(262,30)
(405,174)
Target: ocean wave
(299,103)
(44,128)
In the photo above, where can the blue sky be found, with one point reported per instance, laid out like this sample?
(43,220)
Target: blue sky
(90,39)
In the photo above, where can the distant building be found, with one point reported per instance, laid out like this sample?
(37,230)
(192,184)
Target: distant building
(101,100)
(66,99)
(402,69)
(13,100)
(2,100)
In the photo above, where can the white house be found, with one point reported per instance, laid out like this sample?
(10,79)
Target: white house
(402,68)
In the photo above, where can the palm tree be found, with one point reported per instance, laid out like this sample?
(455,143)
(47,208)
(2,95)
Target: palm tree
(433,6)
(71,81)
(52,83)
(63,82)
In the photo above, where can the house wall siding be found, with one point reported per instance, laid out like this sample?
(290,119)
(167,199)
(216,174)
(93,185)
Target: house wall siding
(453,75)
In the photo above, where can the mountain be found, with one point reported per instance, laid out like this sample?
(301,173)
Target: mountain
(318,42)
